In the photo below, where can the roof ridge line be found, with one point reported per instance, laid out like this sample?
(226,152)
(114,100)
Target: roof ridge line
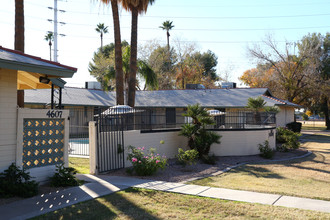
(276,99)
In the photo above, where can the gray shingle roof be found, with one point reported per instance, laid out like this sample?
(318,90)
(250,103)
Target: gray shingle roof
(221,98)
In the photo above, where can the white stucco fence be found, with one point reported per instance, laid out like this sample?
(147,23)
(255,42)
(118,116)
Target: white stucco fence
(233,142)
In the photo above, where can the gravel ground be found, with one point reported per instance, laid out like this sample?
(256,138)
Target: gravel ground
(177,173)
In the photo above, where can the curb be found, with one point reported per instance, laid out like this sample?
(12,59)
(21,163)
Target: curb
(241,164)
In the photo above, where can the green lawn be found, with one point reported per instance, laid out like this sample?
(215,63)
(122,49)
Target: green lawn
(149,204)
(313,125)
(308,177)
(80,164)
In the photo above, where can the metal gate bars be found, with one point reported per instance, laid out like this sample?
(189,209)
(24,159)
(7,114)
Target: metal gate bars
(110,142)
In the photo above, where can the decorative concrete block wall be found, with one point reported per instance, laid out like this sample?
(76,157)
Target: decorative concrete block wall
(42,141)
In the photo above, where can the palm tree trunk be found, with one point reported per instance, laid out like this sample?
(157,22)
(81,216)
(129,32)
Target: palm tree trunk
(19,40)
(168,40)
(118,55)
(101,42)
(133,59)
(19,25)
(50,50)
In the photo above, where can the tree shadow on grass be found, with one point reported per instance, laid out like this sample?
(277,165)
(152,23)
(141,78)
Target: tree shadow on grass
(107,207)
(258,172)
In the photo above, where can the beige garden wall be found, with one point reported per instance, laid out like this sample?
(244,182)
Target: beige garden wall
(233,143)
(242,143)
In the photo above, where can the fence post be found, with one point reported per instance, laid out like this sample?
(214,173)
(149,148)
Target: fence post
(92,148)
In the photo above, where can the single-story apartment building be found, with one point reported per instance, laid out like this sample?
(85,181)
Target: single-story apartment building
(30,138)
(170,103)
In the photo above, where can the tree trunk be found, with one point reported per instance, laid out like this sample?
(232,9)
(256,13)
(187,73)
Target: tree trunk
(168,40)
(50,50)
(19,40)
(19,25)
(101,42)
(133,58)
(118,55)
(325,110)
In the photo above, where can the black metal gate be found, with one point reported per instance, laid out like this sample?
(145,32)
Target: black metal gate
(110,141)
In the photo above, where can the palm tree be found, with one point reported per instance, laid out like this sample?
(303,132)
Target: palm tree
(167,25)
(19,25)
(118,52)
(100,28)
(49,37)
(19,40)
(256,104)
(136,7)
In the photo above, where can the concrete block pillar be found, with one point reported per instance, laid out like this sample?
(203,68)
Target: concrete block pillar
(92,148)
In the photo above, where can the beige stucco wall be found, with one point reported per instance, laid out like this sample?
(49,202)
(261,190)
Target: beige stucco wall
(242,143)
(172,141)
(285,116)
(8,113)
(233,143)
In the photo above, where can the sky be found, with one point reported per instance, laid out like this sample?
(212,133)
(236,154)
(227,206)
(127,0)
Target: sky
(227,28)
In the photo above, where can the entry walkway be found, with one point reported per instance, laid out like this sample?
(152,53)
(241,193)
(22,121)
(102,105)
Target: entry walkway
(103,185)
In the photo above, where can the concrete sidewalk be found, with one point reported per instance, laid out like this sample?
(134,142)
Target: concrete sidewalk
(103,185)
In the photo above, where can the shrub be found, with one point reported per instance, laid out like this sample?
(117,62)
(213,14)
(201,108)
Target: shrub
(288,138)
(305,117)
(209,159)
(64,176)
(187,157)
(265,150)
(145,164)
(294,126)
(16,182)
(198,137)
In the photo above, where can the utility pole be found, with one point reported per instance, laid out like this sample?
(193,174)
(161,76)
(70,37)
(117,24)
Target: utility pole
(55,32)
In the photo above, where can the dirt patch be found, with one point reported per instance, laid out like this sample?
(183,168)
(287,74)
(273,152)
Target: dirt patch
(177,173)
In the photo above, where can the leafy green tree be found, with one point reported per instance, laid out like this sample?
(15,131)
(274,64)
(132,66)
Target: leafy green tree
(163,61)
(319,78)
(167,25)
(199,137)
(136,7)
(49,37)
(102,29)
(103,68)
(209,61)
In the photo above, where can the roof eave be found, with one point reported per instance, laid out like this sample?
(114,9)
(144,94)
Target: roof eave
(52,71)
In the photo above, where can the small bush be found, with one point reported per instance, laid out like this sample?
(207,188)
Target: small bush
(209,159)
(288,138)
(294,126)
(265,150)
(16,182)
(145,165)
(64,176)
(187,157)
(305,117)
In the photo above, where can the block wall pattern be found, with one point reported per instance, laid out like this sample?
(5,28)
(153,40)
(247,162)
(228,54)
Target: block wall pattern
(43,142)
